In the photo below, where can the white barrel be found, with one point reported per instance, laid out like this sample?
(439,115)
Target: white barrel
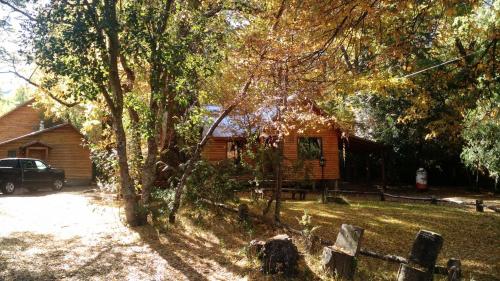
(421,179)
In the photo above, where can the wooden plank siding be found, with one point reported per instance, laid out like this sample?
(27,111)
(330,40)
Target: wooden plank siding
(65,152)
(215,150)
(329,140)
(20,121)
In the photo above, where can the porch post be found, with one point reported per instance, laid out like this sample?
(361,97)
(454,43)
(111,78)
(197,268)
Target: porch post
(367,157)
(384,182)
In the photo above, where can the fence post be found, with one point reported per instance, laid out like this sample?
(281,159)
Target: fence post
(340,259)
(382,196)
(479,205)
(423,256)
(243,212)
(434,200)
(454,267)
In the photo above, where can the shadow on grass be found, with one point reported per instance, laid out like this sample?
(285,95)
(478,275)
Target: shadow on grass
(217,240)
(171,249)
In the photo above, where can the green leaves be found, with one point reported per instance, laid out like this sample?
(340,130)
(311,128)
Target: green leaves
(482,134)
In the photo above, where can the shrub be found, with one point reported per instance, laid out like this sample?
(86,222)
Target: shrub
(215,182)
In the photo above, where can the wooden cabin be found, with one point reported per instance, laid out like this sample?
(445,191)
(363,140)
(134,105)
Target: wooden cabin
(326,163)
(312,155)
(321,166)
(23,134)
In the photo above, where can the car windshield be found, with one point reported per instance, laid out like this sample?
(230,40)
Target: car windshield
(40,165)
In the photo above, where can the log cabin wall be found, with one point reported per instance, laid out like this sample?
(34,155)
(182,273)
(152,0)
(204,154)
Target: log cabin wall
(65,152)
(216,150)
(329,140)
(20,121)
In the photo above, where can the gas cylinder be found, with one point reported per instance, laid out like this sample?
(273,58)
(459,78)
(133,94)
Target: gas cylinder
(421,179)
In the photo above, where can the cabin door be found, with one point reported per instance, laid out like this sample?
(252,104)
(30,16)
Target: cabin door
(37,153)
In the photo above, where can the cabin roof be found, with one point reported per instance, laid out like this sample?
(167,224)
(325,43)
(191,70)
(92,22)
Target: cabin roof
(359,144)
(28,102)
(235,125)
(35,133)
(231,127)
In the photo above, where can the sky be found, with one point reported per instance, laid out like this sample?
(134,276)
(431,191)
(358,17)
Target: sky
(9,41)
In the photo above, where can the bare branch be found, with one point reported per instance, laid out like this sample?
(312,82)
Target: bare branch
(241,96)
(346,58)
(18,10)
(46,91)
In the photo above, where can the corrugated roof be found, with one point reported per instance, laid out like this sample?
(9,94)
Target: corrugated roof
(234,125)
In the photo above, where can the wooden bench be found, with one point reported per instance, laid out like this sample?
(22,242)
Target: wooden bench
(300,191)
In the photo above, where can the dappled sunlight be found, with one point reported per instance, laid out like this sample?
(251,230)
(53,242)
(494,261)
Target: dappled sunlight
(75,236)
(390,228)
(392,220)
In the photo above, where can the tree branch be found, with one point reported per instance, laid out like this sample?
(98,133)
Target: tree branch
(243,93)
(18,10)
(346,58)
(46,91)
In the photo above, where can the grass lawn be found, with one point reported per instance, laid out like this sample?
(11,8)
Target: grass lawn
(390,228)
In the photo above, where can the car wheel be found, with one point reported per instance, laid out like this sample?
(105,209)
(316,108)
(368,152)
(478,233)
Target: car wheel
(8,187)
(57,185)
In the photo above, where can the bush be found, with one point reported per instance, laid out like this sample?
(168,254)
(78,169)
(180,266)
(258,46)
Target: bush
(215,182)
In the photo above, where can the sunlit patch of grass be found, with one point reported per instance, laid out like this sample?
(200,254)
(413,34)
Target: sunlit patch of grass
(391,227)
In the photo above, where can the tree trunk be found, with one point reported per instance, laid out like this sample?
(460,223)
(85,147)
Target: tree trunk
(179,189)
(136,145)
(496,189)
(132,213)
(115,103)
(476,183)
(279,182)
(149,170)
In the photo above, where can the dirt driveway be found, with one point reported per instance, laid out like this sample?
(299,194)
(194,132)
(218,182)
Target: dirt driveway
(70,236)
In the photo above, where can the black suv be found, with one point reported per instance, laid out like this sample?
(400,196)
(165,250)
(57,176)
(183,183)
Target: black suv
(29,173)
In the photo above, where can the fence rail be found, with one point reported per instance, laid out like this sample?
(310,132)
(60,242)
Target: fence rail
(479,204)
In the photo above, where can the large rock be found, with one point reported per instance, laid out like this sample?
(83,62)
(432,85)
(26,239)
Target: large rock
(280,255)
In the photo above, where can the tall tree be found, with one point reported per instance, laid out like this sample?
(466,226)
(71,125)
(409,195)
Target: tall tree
(100,49)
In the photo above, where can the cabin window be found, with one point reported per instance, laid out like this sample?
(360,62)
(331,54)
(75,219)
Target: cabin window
(310,148)
(234,151)
(11,153)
